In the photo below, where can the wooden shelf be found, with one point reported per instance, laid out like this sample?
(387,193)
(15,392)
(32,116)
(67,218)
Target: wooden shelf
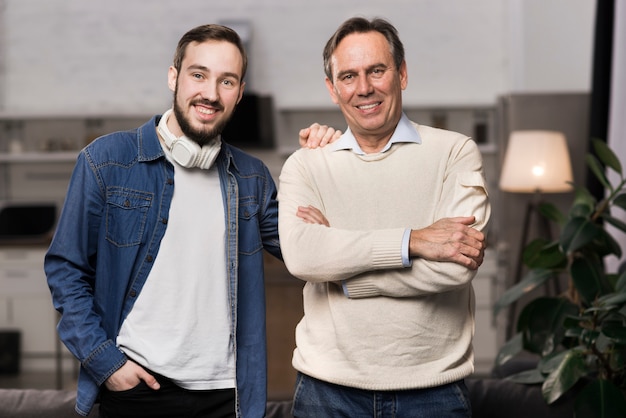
(36,157)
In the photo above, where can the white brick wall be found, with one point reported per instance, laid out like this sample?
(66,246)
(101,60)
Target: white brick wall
(112,56)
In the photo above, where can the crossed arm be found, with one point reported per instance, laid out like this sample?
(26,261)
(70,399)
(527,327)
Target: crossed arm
(446,240)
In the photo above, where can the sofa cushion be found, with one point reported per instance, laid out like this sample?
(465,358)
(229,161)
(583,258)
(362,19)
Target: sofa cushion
(496,398)
(37,403)
(491,398)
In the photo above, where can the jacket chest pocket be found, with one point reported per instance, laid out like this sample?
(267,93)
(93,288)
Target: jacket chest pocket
(249,233)
(126,214)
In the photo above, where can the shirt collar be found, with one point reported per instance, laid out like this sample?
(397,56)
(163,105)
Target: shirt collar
(404,132)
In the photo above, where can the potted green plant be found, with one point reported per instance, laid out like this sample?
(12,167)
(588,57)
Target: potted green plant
(579,336)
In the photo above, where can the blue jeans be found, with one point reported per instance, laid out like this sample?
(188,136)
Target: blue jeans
(317,399)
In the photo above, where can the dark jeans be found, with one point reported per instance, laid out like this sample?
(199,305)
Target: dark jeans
(317,399)
(170,401)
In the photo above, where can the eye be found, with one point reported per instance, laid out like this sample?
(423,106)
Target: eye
(197,76)
(347,78)
(227,82)
(378,72)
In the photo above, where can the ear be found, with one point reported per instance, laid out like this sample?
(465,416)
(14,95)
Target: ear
(404,76)
(172,76)
(331,89)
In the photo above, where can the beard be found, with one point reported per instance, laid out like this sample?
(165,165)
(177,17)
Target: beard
(201,136)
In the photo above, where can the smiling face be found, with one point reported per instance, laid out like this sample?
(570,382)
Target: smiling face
(206,89)
(367,86)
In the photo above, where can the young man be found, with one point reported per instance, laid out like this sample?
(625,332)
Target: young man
(156,265)
(389,256)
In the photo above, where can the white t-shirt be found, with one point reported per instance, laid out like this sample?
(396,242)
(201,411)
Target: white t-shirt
(180,325)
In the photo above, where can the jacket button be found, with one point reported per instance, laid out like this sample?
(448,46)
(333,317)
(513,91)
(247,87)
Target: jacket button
(164,220)
(133,293)
(149,259)
(170,182)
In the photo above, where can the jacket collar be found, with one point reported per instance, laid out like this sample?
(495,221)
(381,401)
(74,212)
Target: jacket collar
(149,147)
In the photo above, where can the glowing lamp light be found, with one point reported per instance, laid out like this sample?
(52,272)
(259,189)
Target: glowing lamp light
(536,161)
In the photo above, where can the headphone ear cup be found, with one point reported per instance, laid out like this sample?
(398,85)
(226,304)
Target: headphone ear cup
(185,152)
(208,154)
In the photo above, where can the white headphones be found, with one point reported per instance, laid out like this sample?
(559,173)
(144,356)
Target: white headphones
(185,151)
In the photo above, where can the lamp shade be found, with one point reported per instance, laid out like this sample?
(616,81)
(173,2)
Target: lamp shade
(536,161)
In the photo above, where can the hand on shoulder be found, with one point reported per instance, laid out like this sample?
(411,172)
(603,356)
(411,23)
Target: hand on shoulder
(318,135)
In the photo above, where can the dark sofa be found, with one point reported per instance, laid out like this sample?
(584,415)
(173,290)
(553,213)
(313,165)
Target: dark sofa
(491,398)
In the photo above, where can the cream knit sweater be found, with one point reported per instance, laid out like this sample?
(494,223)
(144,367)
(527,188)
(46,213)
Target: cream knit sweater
(394,327)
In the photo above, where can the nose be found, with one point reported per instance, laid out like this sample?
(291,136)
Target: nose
(364,86)
(210,91)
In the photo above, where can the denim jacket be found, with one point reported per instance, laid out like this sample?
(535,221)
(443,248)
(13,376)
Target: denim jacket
(107,238)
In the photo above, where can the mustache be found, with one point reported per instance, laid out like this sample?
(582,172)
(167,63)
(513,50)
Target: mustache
(214,104)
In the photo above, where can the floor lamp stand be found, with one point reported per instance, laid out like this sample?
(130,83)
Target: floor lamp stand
(532,212)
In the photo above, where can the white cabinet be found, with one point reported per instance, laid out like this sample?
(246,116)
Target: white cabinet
(43,180)
(26,306)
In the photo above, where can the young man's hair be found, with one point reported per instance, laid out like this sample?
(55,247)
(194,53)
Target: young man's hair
(210,32)
(362,25)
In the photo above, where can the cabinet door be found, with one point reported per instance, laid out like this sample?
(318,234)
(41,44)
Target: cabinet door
(43,181)
(21,272)
(36,319)
(26,305)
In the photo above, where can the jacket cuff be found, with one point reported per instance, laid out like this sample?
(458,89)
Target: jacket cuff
(104,361)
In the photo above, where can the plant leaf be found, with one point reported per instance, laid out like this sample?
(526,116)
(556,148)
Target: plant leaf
(620,285)
(606,155)
(575,325)
(587,277)
(530,281)
(605,244)
(528,377)
(612,299)
(541,323)
(580,210)
(600,399)
(509,350)
(596,168)
(541,253)
(617,223)
(584,202)
(549,363)
(615,331)
(620,201)
(563,378)
(577,233)
(603,342)
(551,212)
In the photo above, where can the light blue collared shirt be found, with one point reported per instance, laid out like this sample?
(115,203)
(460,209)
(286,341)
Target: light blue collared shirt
(404,132)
